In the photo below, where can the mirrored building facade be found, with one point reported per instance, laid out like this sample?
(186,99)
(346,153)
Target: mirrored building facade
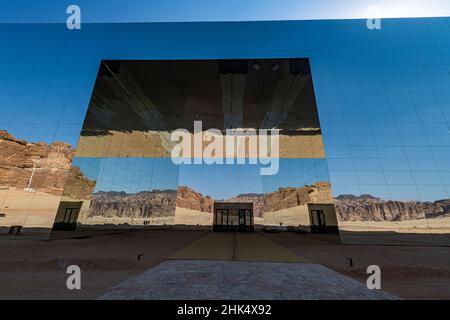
(364,120)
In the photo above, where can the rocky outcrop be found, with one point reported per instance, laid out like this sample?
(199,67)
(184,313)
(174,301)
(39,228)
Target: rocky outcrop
(281,199)
(19,157)
(256,198)
(369,208)
(78,186)
(285,198)
(192,200)
(156,203)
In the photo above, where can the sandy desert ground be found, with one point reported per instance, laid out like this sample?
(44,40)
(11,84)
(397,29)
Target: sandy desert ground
(158,144)
(294,216)
(29,209)
(192,217)
(37,269)
(436,225)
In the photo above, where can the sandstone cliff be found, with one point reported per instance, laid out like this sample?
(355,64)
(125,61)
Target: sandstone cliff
(192,200)
(18,157)
(369,208)
(78,186)
(285,198)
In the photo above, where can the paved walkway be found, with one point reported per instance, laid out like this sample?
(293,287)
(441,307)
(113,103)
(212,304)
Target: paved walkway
(236,247)
(240,266)
(216,280)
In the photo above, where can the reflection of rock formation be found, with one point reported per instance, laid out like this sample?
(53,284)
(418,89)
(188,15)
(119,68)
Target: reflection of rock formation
(192,200)
(369,208)
(161,203)
(156,203)
(18,157)
(285,198)
(78,186)
(256,198)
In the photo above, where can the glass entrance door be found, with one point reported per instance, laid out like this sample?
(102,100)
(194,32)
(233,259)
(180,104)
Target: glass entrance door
(318,223)
(221,220)
(245,220)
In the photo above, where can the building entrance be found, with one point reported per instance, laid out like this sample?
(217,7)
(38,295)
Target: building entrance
(233,216)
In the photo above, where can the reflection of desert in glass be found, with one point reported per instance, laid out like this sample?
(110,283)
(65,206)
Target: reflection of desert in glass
(112,191)
(32,178)
(295,206)
(126,141)
(369,214)
(128,194)
(137,104)
(122,174)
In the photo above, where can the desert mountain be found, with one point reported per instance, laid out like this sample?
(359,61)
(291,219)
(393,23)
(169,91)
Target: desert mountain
(369,208)
(155,203)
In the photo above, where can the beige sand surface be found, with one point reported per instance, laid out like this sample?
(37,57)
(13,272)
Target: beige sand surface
(37,269)
(28,209)
(294,216)
(192,217)
(158,144)
(436,225)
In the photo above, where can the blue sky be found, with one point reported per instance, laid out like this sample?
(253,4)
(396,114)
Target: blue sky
(24,11)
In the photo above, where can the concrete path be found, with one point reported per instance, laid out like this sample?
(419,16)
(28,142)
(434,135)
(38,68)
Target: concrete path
(236,247)
(216,280)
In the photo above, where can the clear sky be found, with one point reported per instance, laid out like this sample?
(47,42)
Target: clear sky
(215,10)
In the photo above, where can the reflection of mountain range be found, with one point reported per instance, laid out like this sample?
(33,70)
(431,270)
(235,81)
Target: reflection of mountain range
(18,157)
(162,202)
(369,208)
(156,203)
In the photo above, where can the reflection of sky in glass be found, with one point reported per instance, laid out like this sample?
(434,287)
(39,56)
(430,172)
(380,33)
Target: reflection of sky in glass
(131,175)
(219,181)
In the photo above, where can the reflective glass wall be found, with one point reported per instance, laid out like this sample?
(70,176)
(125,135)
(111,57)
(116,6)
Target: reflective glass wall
(383,101)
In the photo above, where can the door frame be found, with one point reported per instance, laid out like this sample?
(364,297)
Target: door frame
(318,221)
